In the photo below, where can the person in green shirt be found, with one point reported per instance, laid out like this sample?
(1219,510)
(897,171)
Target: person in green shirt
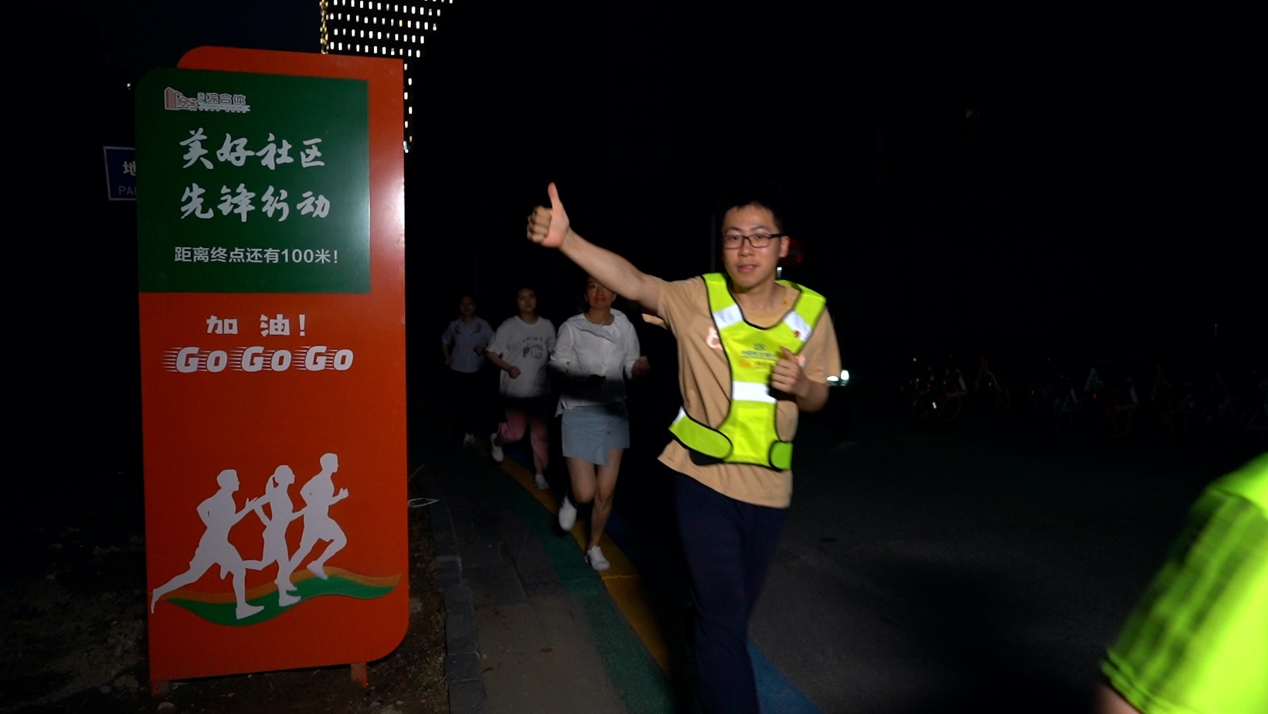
(1197,641)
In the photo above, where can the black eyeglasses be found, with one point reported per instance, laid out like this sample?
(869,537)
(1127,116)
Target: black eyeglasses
(733,241)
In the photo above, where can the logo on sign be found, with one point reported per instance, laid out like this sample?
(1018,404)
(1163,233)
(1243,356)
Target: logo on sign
(175,101)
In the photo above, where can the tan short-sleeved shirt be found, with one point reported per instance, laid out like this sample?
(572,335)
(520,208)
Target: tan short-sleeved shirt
(704,378)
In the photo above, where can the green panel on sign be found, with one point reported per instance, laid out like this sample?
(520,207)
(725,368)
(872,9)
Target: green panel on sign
(252,183)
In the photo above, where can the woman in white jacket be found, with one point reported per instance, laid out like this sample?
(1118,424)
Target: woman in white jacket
(595,353)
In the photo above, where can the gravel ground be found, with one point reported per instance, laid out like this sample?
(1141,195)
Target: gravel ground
(73,635)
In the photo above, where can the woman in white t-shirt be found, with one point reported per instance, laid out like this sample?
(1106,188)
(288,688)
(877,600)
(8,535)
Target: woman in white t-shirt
(595,353)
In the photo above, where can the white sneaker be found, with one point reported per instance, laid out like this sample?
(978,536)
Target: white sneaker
(494,450)
(468,439)
(595,558)
(567,514)
(541,482)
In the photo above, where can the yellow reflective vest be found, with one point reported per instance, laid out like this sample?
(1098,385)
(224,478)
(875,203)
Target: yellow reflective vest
(1197,641)
(748,434)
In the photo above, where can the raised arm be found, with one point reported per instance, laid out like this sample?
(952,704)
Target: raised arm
(550,227)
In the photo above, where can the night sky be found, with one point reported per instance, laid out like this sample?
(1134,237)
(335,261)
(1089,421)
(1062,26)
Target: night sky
(1094,203)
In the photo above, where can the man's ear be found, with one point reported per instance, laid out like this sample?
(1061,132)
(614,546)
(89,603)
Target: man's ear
(784,241)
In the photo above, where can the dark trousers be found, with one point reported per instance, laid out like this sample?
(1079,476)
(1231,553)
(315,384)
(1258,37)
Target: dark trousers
(729,547)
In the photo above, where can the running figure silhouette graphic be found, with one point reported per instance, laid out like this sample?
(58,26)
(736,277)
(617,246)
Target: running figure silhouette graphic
(319,495)
(219,514)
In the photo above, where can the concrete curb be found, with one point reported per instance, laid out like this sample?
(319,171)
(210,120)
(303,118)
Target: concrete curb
(462,642)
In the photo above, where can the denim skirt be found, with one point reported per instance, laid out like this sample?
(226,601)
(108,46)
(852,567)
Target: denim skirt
(590,432)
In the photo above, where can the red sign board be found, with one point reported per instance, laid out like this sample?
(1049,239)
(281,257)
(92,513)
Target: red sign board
(274,421)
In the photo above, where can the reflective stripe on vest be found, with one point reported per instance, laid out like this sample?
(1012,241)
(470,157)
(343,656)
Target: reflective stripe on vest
(748,434)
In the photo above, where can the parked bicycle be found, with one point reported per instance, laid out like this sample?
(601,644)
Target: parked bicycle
(935,393)
(1060,404)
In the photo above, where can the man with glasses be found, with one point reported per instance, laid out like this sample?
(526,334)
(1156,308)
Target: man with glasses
(753,352)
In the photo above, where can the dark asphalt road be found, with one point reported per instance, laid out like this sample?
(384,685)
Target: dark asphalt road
(976,565)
